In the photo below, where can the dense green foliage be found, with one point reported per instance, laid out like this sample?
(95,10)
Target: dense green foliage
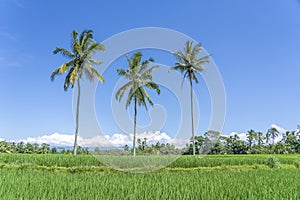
(257,184)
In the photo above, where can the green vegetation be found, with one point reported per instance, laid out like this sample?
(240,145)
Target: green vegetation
(59,176)
(257,184)
(80,64)
(61,160)
(212,142)
(189,64)
(139,75)
(273,162)
(33,171)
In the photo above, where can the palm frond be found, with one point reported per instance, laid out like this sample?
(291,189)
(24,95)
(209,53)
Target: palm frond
(141,94)
(62,69)
(68,79)
(85,36)
(196,50)
(95,62)
(54,73)
(64,52)
(120,93)
(90,76)
(74,42)
(179,67)
(153,86)
(151,59)
(129,61)
(123,72)
(74,36)
(131,95)
(95,73)
(92,49)
(136,60)
(147,73)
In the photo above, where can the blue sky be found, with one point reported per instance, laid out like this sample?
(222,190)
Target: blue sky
(255,45)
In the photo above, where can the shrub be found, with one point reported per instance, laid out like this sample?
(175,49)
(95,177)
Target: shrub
(273,162)
(297,163)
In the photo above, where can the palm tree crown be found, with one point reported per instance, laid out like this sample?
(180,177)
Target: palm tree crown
(80,59)
(188,61)
(139,75)
(273,132)
(190,64)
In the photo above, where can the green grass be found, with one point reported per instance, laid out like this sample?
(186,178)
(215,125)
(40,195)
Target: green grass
(128,161)
(257,184)
(31,177)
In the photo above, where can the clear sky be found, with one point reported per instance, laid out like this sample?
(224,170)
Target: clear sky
(255,45)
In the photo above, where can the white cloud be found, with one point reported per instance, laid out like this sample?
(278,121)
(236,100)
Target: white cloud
(116,140)
(242,136)
(280,129)
(1,139)
(53,139)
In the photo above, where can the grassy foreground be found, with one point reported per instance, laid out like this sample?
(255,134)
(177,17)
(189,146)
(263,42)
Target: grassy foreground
(257,184)
(210,177)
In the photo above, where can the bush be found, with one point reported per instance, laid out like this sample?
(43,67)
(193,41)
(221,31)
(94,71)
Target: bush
(273,162)
(297,163)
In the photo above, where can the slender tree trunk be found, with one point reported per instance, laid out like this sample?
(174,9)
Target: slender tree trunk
(192,113)
(77,117)
(134,129)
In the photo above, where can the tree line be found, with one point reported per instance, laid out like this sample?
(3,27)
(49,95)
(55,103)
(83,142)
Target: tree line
(256,143)
(212,142)
(35,148)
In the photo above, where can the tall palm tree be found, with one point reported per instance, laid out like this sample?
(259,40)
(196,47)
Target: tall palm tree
(273,132)
(260,138)
(268,136)
(80,63)
(139,75)
(251,136)
(190,64)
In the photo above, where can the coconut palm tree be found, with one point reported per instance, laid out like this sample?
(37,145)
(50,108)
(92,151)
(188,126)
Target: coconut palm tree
(139,75)
(273,132)
(80,64)
(268,136)
(190,64)
(251,137)
(260,138)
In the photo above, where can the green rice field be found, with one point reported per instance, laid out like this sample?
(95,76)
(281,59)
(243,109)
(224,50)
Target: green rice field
(210,177)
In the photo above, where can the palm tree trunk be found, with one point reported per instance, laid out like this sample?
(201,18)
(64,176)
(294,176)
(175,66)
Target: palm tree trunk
(192,113)
(134,129)
(77,118)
